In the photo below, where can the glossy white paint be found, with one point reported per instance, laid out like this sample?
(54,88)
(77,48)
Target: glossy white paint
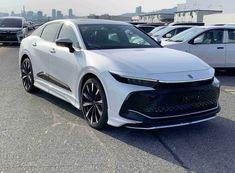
(145,63)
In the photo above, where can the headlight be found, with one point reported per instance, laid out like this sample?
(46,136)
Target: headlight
(135,81)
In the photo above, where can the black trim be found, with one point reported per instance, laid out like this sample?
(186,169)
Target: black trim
(54,81)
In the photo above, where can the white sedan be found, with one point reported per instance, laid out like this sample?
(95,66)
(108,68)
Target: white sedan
(118,75)
(213,44)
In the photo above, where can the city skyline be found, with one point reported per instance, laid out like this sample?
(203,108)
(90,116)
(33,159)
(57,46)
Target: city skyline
(85,7)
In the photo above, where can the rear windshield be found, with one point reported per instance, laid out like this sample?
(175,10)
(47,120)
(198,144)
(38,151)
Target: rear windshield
(10,23)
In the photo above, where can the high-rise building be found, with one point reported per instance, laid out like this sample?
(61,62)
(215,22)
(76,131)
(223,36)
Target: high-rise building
(138,10)
(70,13)
(53,13)
(59,14)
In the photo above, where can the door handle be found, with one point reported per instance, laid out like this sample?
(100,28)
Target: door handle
(34,44)
(220,47)
(52,50)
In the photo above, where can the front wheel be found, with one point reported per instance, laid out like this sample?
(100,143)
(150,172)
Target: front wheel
(94,103)
(27,76)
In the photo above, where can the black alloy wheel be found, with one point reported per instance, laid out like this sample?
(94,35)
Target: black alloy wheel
(94,103)
(27,76)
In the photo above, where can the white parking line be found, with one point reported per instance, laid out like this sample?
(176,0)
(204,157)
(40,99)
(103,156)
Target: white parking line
(231,91)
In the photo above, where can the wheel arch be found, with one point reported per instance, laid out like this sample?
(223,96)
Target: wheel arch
(87,76)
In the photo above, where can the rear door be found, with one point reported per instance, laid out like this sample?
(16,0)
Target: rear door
(210,47)
(230,48)
(41,50)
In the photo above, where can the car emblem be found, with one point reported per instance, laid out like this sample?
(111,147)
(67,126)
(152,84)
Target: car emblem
(190,76)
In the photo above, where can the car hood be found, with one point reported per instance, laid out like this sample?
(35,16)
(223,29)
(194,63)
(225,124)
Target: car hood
(153,60)
(156,63)
(166,43)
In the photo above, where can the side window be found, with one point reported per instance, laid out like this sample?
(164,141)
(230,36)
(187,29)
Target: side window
(231,36)
(210,37)
(50,31)
(67,32)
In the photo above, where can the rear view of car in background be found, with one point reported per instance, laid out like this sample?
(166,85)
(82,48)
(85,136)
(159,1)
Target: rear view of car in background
(12,29)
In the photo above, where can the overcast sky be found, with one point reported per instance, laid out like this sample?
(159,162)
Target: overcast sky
(85,7)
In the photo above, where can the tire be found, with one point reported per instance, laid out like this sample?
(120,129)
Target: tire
(94,103)
(27,76)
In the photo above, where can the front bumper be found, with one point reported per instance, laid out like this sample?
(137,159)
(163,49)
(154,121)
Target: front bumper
(172,105)
(10,38)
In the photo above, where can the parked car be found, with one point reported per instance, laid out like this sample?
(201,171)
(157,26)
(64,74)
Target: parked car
(168,32)
(97,66)
(146,28)
(213,44)
(12,29)
(156,30)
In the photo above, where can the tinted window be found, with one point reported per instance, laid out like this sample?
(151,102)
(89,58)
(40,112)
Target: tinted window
(210,37)
(179,30)
(67,32)
(50,31)
(231,36)
(11,23)
(146,29)
(108,36)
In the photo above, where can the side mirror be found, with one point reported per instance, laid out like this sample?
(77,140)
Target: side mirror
(168,35)
(64,42)
(197,40)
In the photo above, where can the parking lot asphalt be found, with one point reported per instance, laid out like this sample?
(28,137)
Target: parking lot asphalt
(40,133)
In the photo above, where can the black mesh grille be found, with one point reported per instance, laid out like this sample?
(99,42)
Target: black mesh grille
(8,37)
(165,102)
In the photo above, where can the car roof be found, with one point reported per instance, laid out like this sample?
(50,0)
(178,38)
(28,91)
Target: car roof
(182,26)
(216,27)
(92,21)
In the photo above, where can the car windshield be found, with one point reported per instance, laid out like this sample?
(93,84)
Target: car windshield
(111,36)
(163,31)
(186,35)
(10,23)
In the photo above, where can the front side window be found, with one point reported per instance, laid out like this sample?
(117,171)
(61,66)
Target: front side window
(231,36)
(50,31)
(11,23)
(111,36)
(210,37)
(67,32)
